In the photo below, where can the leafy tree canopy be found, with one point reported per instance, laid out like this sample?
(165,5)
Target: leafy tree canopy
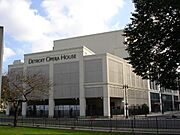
(153,40)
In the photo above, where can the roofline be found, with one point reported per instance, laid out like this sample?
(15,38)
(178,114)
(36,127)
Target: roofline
(87,35)
(72,48)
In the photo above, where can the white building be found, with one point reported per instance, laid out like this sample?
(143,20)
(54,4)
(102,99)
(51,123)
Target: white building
(89,73)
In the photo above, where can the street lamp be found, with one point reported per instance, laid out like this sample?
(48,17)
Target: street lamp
(125,87)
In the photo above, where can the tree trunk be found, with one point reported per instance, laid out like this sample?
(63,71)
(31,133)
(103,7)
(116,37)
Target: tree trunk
(16,106)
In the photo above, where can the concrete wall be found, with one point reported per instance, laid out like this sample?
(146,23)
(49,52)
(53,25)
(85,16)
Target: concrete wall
(120,73)
(108,42)
(44,69)
(94,75)
(66,80)
(93,71)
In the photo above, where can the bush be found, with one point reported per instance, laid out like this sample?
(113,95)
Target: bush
(139,110)
(145,109)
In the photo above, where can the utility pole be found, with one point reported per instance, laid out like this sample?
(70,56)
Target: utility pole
(125,87)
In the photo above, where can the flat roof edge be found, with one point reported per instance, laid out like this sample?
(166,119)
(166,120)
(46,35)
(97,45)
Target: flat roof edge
(87,35)
(81,47)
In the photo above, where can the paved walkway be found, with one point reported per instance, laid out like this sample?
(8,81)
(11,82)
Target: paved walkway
(158,114)
(169,113)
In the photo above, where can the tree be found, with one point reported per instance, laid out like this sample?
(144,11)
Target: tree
(153,41)
(19,87)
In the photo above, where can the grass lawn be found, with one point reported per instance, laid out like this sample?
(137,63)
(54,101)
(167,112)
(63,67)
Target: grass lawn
(7,130)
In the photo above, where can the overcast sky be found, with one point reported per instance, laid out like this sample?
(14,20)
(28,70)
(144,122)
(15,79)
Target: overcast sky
(32,25)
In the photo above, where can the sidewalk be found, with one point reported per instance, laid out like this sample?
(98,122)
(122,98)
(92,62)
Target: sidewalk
(158,114)
(169,113)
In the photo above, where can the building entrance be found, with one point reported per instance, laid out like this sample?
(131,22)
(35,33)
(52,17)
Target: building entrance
(37,108)
(117,106)
(66,108)
(94,107)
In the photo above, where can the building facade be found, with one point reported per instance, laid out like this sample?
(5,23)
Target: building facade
(89,74)
(161,99)
(85,83)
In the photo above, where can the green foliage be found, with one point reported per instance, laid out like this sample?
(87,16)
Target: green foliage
(145,109)
(139,109)
(153,40)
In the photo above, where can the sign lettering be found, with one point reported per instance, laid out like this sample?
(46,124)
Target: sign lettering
(54,58)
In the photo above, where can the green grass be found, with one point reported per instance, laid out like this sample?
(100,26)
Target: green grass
(7,130)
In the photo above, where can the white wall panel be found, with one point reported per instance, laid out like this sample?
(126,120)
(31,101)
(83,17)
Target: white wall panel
(115,72)
(116,91)
(66,80)
(93,71)
(94,92)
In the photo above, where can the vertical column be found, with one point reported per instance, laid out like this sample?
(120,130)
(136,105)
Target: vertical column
(160,98)
(149,100)
(82,98)
(51,107)
(1,56)
(106,96)
(173,107)
(126,110)
(106,106)
(125,88)
(24,106)
(149,95)
(178,106)
(106,103)
(161,102)
(51,92)
(7,109)
(82,107)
